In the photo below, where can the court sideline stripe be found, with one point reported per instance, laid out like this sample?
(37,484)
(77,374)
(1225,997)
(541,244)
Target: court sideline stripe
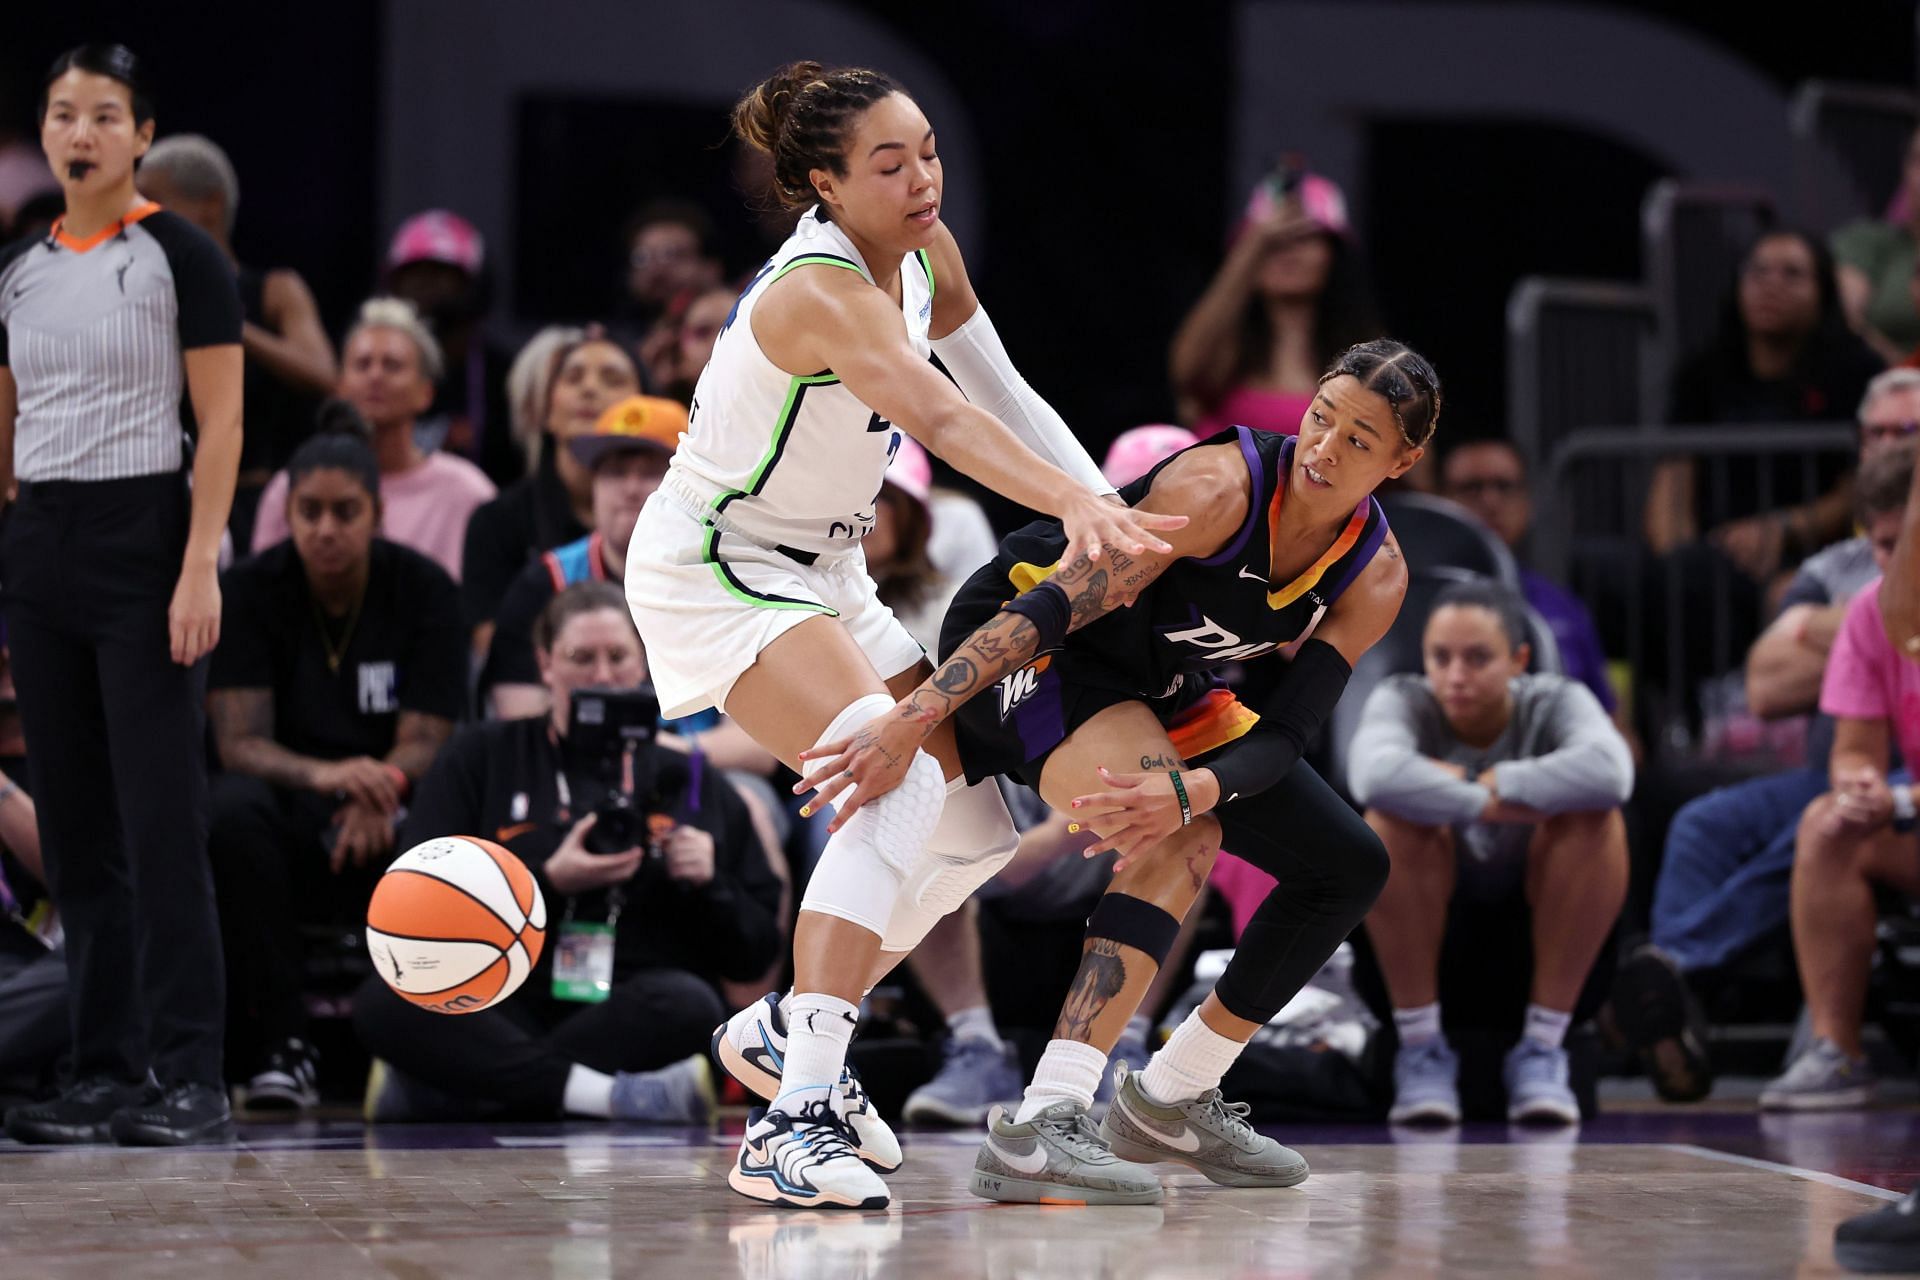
(1794,1170)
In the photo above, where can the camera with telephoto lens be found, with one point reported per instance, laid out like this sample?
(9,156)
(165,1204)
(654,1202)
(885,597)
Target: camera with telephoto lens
(610,735)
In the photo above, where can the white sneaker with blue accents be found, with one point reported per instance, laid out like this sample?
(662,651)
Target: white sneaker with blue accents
(751,1046)
(806,1159)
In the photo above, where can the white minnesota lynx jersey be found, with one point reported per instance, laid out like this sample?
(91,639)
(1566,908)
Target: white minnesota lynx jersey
(794,459)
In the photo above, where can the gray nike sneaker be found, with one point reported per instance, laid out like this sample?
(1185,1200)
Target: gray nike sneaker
(1206,1133)
(1056,1158)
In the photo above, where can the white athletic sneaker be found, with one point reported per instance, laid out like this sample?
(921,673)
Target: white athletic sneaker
(751,1046)
(806,1160)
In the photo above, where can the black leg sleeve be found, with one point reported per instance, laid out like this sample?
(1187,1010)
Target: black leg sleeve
(1330,867)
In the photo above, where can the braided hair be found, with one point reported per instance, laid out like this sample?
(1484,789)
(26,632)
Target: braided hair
(802,116)
(1399,375)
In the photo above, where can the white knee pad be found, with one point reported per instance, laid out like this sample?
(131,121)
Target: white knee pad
(973,840)
(866,862)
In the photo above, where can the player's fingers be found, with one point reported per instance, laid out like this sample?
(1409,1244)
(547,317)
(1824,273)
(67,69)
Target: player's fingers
(1087,808)
(1159,520)
(827,789)
(833,748)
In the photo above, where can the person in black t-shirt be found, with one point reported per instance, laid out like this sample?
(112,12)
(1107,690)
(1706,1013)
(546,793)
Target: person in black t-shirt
(698,903)
(339,677)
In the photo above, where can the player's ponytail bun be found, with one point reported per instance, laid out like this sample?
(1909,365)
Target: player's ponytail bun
(801,115)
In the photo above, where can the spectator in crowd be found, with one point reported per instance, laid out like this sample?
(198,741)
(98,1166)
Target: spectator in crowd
(564,379)
(437,261)
(1877,260)
(671,256)
(290,363)
(389,367)
(33,965)
(694,903)
(112,599)
(1783,353)
(1855,841)
(899,547)
(1489,478)
(1290,296)
(1723,882)
(698,329)
(1487,783)
(626,456)
(340,674)
(34,219)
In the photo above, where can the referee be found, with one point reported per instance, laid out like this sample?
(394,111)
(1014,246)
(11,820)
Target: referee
(108,580)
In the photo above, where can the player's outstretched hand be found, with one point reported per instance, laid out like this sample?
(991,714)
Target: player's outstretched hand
(864,766)
(1093,525)
(1136,811)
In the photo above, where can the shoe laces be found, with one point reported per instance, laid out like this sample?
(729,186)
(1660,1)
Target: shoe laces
(854,1093)
(1536,1063)
(1077,1134)
(827,1133)
(1231,1116)
(1428,1055)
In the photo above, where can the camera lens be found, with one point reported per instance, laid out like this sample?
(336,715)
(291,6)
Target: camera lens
(615,830)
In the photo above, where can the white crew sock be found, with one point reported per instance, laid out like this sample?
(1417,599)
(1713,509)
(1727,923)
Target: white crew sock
(1139,1027)
(588,1093)
(1191,1062)
(819,1028)
(1418,1024)
(1546,1026)
(975,1024)
(1068,1072)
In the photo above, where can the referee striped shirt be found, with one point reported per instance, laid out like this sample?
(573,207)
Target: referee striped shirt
(93,331)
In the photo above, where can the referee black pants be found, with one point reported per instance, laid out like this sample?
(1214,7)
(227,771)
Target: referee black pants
(116,750)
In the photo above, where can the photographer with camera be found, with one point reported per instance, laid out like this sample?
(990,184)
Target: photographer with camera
(655,889)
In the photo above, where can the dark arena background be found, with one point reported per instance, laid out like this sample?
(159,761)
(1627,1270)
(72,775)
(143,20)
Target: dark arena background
(1662,258)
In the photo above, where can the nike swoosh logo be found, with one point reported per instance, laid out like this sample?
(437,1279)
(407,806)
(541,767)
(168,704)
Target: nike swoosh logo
(1257,577)
(1187,1140)
(504,834)
(1033,1162)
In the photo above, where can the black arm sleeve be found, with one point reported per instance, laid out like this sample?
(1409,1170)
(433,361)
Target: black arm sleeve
(207,291)
(1289,722)
(493,553)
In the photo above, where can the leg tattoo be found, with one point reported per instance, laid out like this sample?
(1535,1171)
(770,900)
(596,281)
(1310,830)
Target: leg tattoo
(1101,976)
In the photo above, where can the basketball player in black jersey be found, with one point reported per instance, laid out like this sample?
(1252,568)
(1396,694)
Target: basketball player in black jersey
(1122,724)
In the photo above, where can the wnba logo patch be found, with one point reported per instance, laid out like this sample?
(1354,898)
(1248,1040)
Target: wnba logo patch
(1021,685)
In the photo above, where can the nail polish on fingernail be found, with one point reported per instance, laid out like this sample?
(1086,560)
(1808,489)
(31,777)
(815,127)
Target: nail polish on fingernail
(1073,826)
(806,811)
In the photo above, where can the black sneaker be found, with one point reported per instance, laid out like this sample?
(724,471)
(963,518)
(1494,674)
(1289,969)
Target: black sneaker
(81,1114)
(1887,1239)
(290,1081)
(185,1114)
(1662,1022)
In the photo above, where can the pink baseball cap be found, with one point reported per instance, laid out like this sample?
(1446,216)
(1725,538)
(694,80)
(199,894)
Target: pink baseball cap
(437,235)
(911,470)
(1138,451)
(1321,201)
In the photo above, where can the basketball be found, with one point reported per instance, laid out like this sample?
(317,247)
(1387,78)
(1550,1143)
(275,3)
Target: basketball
(456,924)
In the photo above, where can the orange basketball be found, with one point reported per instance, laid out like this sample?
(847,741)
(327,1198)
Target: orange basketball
(456,924)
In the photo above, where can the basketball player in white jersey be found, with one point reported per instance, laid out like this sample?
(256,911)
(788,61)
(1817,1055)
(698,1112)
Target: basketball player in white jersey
(748,585)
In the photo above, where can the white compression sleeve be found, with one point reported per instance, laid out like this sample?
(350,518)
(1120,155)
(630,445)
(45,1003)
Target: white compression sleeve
(983,371)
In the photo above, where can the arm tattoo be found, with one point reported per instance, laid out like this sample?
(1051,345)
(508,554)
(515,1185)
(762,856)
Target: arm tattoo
(417,739)
(1197,868)
(1102,975)
(243,729)
(1159,762)
(1090,601)
(957,675)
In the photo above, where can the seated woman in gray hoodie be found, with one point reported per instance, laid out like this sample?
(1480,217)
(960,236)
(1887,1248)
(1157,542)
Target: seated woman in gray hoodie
(1488,782)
